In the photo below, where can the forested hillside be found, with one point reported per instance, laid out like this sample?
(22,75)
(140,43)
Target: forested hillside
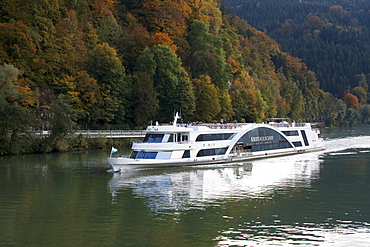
(332,37)
(67,64)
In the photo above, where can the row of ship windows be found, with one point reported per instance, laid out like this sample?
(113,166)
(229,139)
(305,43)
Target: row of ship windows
(179,137)
(212,151)
(167,155)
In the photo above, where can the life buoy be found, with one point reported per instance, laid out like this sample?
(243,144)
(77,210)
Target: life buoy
(231,127)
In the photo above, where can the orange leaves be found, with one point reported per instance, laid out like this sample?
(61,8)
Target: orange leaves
(351,100)
(234,64)
(164,38)
(164,16)
(102,8)
(296,66)
(315,22)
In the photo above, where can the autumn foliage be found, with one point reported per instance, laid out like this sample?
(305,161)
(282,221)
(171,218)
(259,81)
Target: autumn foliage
(351,100)
(121,64)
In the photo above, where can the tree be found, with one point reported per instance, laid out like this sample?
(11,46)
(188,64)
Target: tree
(172,84)
(364,112)
(226,105)
(8,73)
(106,67)
(144,99)
(63,124)
(351,100)
(62,118)
(360,93)
(208,56)
(17,47)
(245,101)
(90,98)
(164,38)
(14,119)
(207,99)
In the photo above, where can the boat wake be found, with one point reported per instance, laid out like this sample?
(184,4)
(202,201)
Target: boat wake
(347,146)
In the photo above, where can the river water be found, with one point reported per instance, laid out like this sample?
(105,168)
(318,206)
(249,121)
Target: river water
(71,199)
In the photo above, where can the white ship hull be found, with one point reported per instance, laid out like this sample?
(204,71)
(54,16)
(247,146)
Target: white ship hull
(180,144)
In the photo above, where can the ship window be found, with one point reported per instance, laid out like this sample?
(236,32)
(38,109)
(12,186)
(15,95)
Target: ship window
(291,133)
(214,137)
(184,138)
(297,144)
(144,155)
(170,139)
(133,154)
(163,155)
(304,137)
(153,138)
(261,139)
(210,152)
(186,154)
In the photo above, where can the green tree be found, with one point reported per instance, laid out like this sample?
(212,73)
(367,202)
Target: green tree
(144,99)
(364,112)
(15,120)
(207,99)
(62,122)
(208,56)
(172,84)
(106,67)
(8,73)
(360,93)
(226,105)
(63,116)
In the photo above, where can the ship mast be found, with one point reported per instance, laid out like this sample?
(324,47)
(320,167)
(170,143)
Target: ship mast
(175,119)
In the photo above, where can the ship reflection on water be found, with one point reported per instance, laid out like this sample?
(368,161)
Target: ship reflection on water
(181,188)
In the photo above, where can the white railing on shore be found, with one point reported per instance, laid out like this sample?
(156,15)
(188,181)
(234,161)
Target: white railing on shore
(103,133)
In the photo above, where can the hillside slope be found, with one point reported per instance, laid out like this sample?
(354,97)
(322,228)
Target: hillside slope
(332,37)
(121,64)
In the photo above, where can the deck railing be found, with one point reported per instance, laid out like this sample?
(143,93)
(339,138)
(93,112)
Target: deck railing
(103,133)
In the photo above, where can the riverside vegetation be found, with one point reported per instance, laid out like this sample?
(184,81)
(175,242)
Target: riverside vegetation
(108,64)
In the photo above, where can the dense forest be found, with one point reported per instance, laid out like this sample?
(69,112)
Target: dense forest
(84,64)
(332,37)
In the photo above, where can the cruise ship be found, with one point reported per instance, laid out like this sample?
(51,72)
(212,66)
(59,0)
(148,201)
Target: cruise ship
(180,144)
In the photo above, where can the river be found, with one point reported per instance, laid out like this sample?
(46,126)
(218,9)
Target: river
(72,199)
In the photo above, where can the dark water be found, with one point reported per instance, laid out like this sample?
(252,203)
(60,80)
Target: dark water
(312,199)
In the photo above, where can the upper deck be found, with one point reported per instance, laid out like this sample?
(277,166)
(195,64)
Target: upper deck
(190,127)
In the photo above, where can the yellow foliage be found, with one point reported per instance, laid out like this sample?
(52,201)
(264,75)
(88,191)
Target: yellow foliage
(29,96)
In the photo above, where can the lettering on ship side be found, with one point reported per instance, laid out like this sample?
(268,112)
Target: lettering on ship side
(147,146)
(261,138)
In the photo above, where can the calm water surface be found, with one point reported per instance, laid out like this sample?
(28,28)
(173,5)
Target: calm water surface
(71,199)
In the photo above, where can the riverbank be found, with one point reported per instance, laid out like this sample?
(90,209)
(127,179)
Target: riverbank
(47,144)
